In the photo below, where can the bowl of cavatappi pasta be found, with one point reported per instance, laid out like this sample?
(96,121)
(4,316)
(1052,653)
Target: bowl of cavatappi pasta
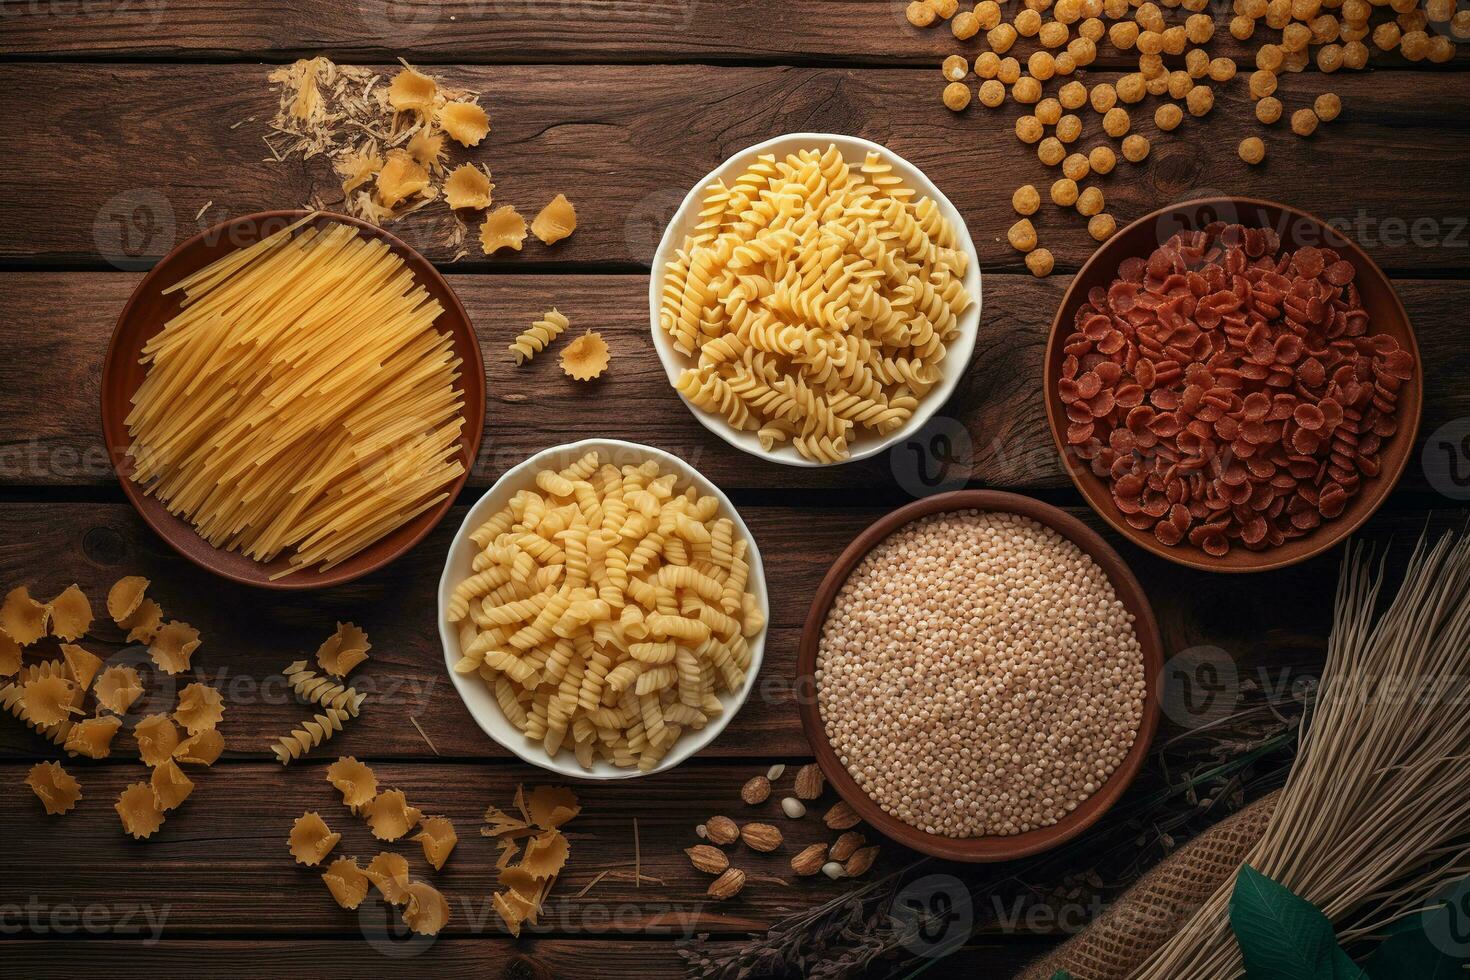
(815,299)
(603,610)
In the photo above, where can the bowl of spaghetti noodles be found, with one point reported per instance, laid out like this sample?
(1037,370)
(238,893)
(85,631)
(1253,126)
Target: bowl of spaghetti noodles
(293,399)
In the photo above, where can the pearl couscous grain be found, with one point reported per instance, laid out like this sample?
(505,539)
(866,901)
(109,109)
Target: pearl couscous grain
(978,676)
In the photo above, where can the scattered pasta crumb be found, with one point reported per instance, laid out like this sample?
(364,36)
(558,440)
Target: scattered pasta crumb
(525,885)
(586,357)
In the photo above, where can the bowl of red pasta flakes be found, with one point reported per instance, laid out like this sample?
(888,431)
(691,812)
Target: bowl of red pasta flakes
(1232,384)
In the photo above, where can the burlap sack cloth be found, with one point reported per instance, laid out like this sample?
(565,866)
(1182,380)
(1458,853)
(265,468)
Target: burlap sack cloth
(1150,912)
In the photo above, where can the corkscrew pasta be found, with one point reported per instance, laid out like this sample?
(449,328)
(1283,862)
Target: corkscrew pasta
(814,300)
(606,610)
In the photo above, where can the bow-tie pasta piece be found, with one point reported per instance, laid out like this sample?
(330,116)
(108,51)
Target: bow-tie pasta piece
(347,882)
(556,221)
(401,178)
(200,708)
(438,837)
(466,122)
(125,596)
(71,614)
(343,650)
(551,806)
(157,739)
(22,618)
(137,807)
(427,911)
(468,186)
(412,91)
(170,786)
(356,169)
(174,645)
(389,816)
(503,228)
(49,700)
(311,838)
(389,874)
(117,688)
(81,664)
(354,780)
(513,909)
(427,149)
(56,788)
(145,622)
(201,750)
(586,357)
(92,737)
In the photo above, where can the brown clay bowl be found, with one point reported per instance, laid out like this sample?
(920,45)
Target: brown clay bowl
(145,314)
(1296,228)
(982,849)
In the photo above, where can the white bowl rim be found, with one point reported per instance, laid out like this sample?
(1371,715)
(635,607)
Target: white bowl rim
(957,358)
(477,698)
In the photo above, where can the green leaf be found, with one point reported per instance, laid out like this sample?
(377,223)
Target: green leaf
(1282,936)
(1061,975)
(1433,945)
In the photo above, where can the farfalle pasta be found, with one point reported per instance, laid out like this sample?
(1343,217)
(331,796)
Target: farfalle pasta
(71,614)
(92,737)
(82,665)
(49,700)
(138,809)
(145,622)
(57,789)
(426,911)
(466,122)
(311,839)
(586,357)
(157,739)
(814,300)
(23,618)
(503,228)
(200,707)
(354,780)
(125,596)
(344,650)
(389,816)
(437,836)
(555,221)
(607,610)
(173,646)
(117,688)
(203,749)
(468,186)
(389,874)
(170,786)
(526,884)
(346,881)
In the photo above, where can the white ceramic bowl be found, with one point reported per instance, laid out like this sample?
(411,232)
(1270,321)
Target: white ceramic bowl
(854,149)
(477,695)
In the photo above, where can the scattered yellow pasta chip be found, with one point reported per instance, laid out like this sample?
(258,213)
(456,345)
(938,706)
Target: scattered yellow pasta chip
(412,91)
(49,700)
(71,614)
(356,168)
(170,786)
(173,646)
(551,806)
(468,187)
(499,823)
(92,737)
(81,664)
(427,149)
(343,650)
(346,881)
(503,228)
(125,596)
(389,816)
(438,837)
(586,357)
(117,688)
(426,911)
(56,788)
(356,782)
(145,622)
(201,750)
(157,739)
(311,838)
(527,884)
(401,177)
(200,707)
(556,221)
(138,809)
(23,618)
(546,854)
(10,653)
(389,874)
(509,850)
(513,909)
(466,122)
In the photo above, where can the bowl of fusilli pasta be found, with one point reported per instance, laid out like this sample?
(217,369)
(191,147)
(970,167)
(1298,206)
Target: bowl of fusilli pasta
(815,299)
(603,610)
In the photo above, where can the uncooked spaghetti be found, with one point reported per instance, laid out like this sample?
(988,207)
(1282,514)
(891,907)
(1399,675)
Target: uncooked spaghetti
(301,403)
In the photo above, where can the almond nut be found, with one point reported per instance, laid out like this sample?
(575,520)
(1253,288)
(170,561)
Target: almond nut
(756,790)
(842,816)
(843,847)
(721,830)
(810,860)
(760,836)
(727,885)
(809,782)
(862,859)
(710,860)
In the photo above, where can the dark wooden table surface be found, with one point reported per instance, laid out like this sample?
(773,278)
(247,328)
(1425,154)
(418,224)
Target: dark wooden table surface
(130,124)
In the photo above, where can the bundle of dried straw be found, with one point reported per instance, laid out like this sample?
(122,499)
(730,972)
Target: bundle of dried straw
(1375,815)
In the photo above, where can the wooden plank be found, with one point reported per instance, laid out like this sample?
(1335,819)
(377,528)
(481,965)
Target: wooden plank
(250,635)
(149,146)
(447,959)
(49,386)
(857,32)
